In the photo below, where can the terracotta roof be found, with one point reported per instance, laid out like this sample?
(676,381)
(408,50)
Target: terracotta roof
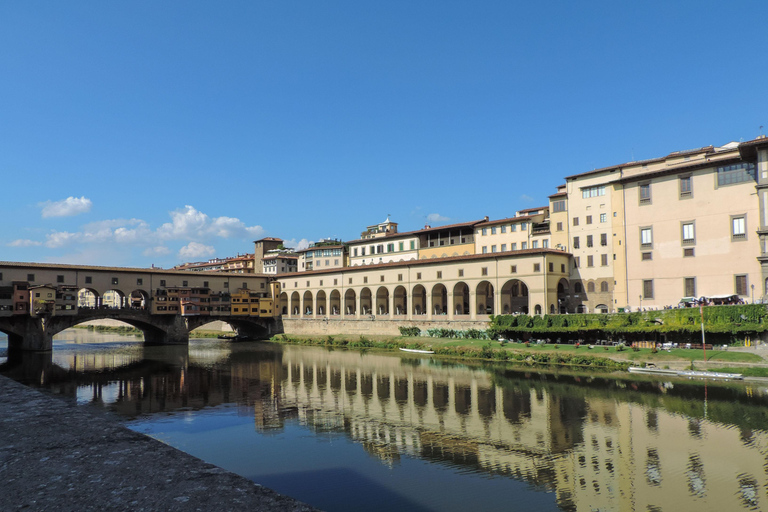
(559,194)
(686,166)
(748,150)
(268,239)
(432,261)
(321,248)
(611,168)
(66,266)
(283,256)
(535,209)
(508,220)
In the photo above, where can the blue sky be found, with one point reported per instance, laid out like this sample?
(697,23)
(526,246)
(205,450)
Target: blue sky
(138,133)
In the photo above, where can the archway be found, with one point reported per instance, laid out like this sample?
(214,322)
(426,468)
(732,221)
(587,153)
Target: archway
(349,302)
(382,301)
(366,305)
(321,303)
(139,299)
(439,299)
(306,305)
(461,299)
(295,304)
(115,299)
(601,308)
(419,300)
(514,297)
(89,298)
(283,304)
(401,301)
(537,309)
(334,308)
(484,294)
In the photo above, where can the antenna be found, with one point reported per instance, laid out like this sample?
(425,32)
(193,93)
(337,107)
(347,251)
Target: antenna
(761,130)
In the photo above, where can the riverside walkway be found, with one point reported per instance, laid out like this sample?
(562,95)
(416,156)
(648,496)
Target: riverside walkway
(55,455)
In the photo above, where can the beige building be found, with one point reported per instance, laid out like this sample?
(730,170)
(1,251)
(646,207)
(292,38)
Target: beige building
(450,288)
(323,255)
(646,234)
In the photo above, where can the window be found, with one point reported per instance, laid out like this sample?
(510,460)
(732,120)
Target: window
(588,192)
(590,261)
(513,227)
(741,284)
(537,267)
(685,187)
(350,280)
(689,286)
(390,247)
(336,281)
(575,242)
(485,249)
(535,244)
(381,279)
(114,281)
(688,252)
(739,227)
(559,226)
(162,281)
(603,217)
(484,271)
(603,239)
(399,277)
(646,256)
(562,268)
(513,269)
(523,226)
(226,285)
(413,244)
(589,240)
(604,260)
(321,283)
(365,280)
(645,193)
(604,286)
(503,247)
(362,251)
(485,231)
(493,230)
(439,274)
(504,229)
(307,285)
(523,245)
(558,206)
(31,277)
(493,248)
(461,272)
(418,275)
(648,289)
(736,173)
(400,245)
(545,243)
(575,221)
(688,233)
(646,237)
(577,288)
(590,287)
(551,267)
(183,283)
(589,219)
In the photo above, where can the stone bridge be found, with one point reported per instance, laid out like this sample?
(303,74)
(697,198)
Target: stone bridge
(30,333)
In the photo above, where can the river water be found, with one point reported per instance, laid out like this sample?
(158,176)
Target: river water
(350,430)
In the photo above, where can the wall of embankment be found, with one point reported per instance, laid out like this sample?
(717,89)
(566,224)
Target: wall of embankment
(312,326)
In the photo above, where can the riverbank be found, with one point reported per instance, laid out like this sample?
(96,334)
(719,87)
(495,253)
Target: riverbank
(55,455)
(748,362)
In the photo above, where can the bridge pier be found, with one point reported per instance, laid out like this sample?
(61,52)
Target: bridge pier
(28,334)
(173,331)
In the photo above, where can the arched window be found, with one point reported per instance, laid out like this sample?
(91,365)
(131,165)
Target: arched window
(591,287)
(604,286)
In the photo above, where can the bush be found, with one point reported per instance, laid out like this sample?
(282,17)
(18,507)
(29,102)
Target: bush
(409,331)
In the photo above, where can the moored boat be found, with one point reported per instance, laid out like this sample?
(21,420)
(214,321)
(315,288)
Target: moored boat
(686,373)
(417,351)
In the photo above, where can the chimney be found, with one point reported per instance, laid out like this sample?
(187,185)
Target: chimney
(485,218)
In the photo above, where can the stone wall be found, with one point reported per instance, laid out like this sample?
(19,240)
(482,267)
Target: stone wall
(370,327)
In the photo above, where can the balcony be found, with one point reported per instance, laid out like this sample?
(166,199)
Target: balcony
(538,228)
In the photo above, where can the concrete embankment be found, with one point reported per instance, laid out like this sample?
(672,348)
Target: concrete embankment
(55,455)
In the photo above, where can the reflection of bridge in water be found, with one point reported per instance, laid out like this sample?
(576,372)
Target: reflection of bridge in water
(597,446)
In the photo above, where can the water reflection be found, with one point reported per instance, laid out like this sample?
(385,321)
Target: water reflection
(597,443)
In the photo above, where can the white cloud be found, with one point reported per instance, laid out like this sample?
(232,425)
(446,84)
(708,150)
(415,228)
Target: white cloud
(526,198)
(196,250)
(66,207)
(23,242)
(61,238)
(190,223)
(436,217)
(301,244)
